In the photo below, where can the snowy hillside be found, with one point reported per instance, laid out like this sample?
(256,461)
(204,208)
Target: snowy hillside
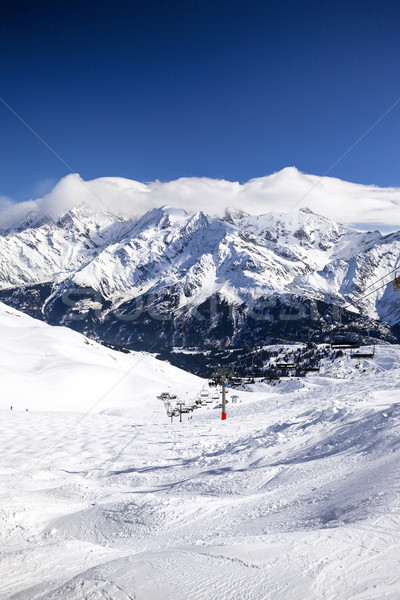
(179,279)
(54,368)
(295,496)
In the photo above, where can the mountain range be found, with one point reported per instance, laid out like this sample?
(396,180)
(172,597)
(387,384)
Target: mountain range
(176,279)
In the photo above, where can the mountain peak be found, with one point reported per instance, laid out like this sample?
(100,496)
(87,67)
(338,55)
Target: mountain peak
(233,215)
(33,219)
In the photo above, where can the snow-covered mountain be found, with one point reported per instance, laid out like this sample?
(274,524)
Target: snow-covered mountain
(196,280)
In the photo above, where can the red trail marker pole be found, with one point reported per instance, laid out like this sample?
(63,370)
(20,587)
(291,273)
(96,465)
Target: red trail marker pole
(223,414)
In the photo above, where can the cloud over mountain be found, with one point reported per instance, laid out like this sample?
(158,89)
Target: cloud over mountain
(353,204)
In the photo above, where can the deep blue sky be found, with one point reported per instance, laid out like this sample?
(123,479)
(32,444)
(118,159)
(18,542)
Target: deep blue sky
(232,89)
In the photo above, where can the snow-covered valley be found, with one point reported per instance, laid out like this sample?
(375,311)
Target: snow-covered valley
(296,495)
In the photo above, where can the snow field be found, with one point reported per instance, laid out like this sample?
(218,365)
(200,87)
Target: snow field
(295,496)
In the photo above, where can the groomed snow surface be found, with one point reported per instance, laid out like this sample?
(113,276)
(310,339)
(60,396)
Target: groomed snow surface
(296,496)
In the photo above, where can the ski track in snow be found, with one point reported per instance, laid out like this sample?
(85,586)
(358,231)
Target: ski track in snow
(295,496)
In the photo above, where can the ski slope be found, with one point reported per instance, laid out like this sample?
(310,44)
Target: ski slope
(296,496)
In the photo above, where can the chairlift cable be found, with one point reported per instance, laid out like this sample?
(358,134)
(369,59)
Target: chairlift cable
(365,295)
(378,280)
(351,304)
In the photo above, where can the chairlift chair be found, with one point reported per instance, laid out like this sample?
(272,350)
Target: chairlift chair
(344,336)
(257,372)
(285,365)
(286,360)
(272,378)
(234,380)
(363,352)
(396,282)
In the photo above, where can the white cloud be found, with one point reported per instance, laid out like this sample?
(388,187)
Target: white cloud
(349,203)
(5,202)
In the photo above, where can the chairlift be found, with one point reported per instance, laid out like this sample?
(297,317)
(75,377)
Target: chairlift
(257,372)
(345,336)
(396,282)
(286,362)
(285,365)
(271,375)
(234,380)
(363,352)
